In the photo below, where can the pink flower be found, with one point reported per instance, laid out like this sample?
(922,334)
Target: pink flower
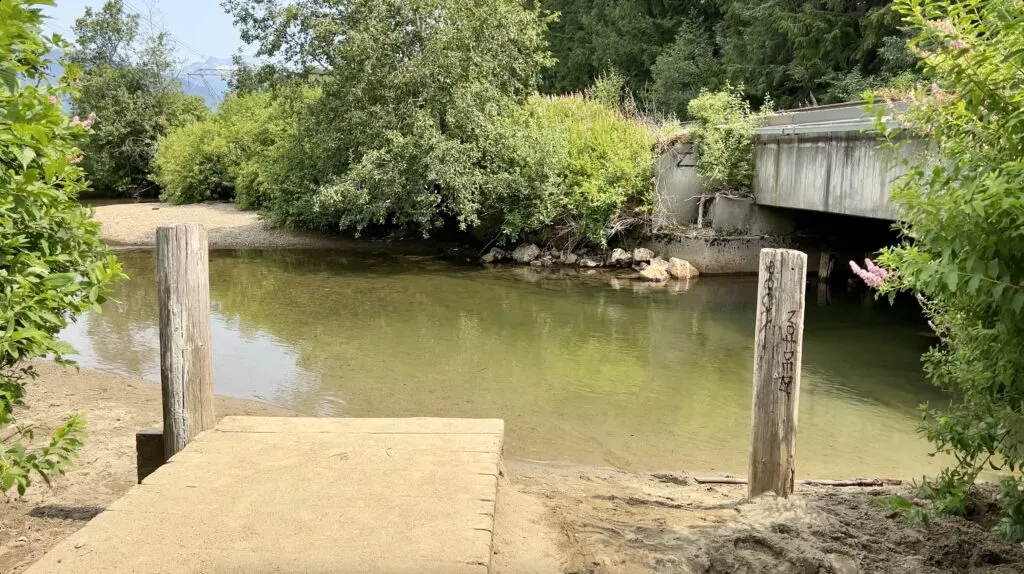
(89,121)
(52,100)
(873,276)
(875,269)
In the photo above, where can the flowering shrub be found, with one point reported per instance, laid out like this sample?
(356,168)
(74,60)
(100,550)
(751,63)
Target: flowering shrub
(873,276)
(963,250)
(53,266)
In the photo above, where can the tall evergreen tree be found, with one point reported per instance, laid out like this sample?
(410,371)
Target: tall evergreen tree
(797,50)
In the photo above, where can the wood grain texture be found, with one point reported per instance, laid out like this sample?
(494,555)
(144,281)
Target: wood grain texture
(778,341)
(186,373)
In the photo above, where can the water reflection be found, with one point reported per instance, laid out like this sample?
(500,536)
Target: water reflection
(583,370)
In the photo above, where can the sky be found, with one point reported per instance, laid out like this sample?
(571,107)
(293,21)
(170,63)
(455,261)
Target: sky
(200,26)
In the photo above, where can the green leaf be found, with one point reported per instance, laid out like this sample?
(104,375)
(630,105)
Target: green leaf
(1018,301)
(25,155)
(9,79)
(952,278)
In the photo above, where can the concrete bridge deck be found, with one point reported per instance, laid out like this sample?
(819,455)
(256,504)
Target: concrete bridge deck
(260,494)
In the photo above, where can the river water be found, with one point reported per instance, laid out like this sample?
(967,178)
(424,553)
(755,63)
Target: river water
(585,370)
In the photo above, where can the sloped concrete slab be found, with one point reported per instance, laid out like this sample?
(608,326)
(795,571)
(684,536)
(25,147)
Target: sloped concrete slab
(260,494)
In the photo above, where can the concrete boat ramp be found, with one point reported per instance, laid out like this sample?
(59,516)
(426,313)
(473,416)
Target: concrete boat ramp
(310,495)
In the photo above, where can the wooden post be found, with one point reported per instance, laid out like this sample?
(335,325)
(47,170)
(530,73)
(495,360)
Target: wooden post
(186,376)
(778,342)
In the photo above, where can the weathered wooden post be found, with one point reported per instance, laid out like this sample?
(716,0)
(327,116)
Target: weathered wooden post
(186,363)
(778,341)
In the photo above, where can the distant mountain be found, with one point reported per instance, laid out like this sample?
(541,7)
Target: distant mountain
(207,79)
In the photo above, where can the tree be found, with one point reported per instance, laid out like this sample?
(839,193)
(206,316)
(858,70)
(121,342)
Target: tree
(128,82)
(408,89)
(684,68)
(591,37)
(794,50)
(53,266)
(961,211)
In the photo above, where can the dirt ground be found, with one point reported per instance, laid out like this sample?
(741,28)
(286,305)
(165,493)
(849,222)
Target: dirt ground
(548,518)
(613,521)
(134,225)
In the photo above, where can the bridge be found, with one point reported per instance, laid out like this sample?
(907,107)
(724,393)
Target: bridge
(828,159)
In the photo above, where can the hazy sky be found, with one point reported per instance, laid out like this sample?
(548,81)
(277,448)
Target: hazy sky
(201,25)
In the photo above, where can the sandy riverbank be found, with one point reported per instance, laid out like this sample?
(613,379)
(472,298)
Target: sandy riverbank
(549,518)
(134,225)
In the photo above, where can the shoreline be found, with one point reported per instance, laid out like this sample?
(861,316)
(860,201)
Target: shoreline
(132,226)
(548,518)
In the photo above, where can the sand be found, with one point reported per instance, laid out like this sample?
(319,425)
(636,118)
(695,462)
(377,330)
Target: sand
(549,518)
(134,225)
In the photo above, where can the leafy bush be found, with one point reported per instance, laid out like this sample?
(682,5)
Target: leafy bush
(723,134)
(255,124)
(53,266)
(407,87)
(570,163)
(191,164)
(963,251)
(229,155)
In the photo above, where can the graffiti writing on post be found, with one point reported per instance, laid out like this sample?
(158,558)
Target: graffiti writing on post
(767,303)
(783,338)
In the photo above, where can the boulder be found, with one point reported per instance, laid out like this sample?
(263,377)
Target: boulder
(588,262)
(493,256)
(641,254)
(681,269)
(659,263)
(525,253)
(619,257)
(546,261)
(654,274)
(569,258)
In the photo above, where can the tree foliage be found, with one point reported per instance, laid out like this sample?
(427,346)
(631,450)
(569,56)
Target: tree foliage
(417,117)
(795,51)
(229,155)
(53,266)
(685,68)
(592,36)
(723,136)
(963,250)
(128,82)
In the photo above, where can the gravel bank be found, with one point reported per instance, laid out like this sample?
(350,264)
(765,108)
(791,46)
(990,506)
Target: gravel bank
(134,225)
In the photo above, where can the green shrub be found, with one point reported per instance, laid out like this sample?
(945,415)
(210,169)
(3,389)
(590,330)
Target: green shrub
(191,164)
(53,266)
(723,134)
(962,253)
(607,181)
(406,95)
(253,124)
(230,155)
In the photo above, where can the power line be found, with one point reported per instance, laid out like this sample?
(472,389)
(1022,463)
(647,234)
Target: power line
(153,26)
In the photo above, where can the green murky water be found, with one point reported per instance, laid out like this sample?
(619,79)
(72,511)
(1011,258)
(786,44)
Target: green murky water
(587,370)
